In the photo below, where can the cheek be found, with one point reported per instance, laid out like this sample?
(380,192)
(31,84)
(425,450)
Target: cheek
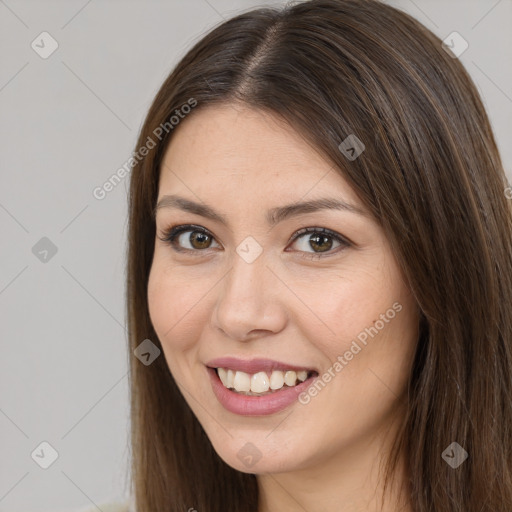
(364,313)
(343,304)
(177,306)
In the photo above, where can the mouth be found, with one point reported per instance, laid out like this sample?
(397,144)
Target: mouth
(258,387)
(260,390)
(261,383)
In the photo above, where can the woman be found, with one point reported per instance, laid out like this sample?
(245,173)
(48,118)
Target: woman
(320,266)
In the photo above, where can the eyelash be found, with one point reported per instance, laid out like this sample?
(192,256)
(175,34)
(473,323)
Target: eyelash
(171,233)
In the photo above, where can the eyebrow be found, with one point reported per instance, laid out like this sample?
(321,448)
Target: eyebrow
(273,216)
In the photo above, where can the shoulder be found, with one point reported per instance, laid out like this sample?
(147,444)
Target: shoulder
(117,506)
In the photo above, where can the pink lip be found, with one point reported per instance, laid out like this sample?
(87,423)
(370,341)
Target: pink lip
(256,405)
(254,365)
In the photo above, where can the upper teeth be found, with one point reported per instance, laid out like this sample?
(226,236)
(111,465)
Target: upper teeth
(259,382)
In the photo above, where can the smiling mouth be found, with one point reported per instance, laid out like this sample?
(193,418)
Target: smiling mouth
(261,383)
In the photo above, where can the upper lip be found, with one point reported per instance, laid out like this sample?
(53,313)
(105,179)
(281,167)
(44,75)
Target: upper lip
(254,365)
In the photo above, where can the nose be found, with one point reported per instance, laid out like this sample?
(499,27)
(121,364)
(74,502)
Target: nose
(250,301)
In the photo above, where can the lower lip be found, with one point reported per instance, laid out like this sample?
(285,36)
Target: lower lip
(256,405)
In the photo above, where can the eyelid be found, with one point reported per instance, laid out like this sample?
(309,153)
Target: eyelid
(170,234)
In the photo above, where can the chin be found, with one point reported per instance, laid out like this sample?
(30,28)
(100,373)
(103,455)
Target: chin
(258,456)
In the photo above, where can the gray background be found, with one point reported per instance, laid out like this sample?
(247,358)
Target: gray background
(67,124)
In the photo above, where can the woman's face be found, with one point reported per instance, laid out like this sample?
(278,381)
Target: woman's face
(250,289)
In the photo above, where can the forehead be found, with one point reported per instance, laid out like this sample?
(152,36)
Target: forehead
(237,137)
(239,151)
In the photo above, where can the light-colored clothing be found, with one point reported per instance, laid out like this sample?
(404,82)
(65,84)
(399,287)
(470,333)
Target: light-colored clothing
(109,507)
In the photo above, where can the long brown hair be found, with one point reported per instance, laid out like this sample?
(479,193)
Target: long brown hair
(431,175)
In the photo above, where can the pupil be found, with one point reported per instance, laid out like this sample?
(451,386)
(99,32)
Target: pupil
(323,238)
(200,238)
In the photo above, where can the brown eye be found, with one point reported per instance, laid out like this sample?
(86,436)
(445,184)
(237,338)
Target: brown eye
(194,240)
(188,238)
(199,240)
(321,243)
(320,240)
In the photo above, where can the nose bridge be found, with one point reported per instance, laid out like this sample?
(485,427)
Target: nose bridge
(245,282)
(247,299)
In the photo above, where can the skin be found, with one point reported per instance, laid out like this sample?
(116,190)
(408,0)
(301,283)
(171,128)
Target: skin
(322,456)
